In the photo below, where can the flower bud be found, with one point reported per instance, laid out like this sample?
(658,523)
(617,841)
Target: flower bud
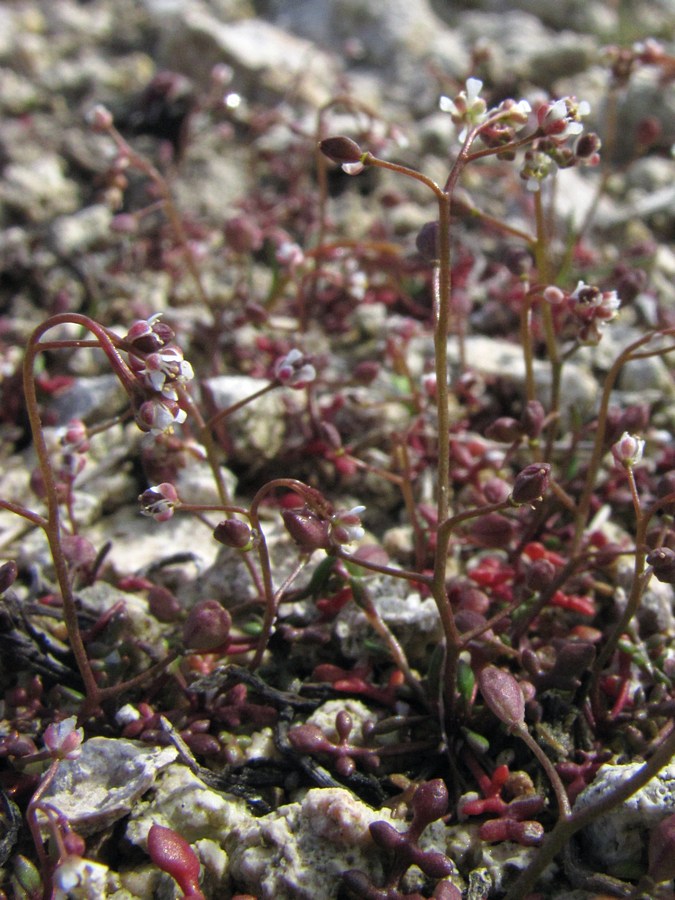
(532,419)
(628,450)
(505,430)
(662,562)
(341,149)
(492,530)
(159,501)
(531,483)
(163,605)
(234,533)
(100,118)
(8,574)
(540,575)
(207,626)
(63,740)
(306,529)
(427,241)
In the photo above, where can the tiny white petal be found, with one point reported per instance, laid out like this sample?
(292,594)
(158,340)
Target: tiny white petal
(473,89)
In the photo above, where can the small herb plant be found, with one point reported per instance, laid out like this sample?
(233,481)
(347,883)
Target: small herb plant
(504,495)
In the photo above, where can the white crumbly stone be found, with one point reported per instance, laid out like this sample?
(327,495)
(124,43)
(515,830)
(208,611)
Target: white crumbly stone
(183,802)
(299,851)
(105,782)
(616,841)
(81,879)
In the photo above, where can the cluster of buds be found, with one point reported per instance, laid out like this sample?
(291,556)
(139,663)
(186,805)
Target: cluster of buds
(160,371)
(559,141)
(590,307)
(323,529)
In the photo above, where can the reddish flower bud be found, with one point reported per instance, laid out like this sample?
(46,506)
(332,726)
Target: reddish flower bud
(306,529)
(207,626)
(243,235)
(504,429)
(8,573)
(164,605)
(492,530)
(540,574)
(427,241)
(502,695)
(78,551)
(341,149)
(234,533)
(531,483)
(532,418)
(100,118)
(662,562)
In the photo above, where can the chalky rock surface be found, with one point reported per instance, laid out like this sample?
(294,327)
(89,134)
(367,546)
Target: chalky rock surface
(102,785)
(616,841)
(300,851)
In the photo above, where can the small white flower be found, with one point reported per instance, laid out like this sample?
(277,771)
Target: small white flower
(628,450)
(294,370)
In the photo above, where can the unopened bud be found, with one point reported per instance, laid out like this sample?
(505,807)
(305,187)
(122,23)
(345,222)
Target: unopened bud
(341,150)
(662,562)
(100,118)
(628,450)
(207,626)
(505,430)
(427,241)
(8,573)
(531,483)
(532,418)
(540,575)
(306,529)
(234,533)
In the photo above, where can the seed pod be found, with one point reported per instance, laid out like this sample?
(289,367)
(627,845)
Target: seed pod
(502,695)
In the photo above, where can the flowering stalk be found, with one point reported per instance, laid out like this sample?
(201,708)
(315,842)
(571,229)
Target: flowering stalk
(52,524)
(628,354)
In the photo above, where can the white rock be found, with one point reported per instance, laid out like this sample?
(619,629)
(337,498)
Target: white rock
(616,841)
(299,851)
(104,783)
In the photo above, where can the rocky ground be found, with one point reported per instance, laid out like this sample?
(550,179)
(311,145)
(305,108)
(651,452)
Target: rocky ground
(228,99)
